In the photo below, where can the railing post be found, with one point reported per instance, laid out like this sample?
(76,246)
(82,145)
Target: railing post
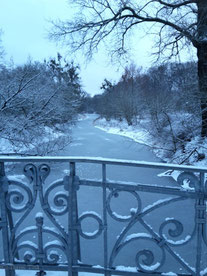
(74,239)
(200,208)
(105,220)
(4,219)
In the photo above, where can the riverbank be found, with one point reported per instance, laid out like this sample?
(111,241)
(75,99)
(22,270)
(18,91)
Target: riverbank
(194,153)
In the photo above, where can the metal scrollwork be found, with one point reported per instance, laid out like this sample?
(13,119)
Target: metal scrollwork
(144,259)
(149,242)
(30,171)
(21,199)
(43,172)
(133,211)
(60,200)
(52,256)
(192,180)
(176,232)
(34,252)
(97,232)
(16,197)
(30,254)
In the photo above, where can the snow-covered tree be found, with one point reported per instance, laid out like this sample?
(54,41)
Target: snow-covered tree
(34,117)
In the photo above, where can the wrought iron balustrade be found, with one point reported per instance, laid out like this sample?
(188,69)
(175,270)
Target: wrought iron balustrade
(44,221)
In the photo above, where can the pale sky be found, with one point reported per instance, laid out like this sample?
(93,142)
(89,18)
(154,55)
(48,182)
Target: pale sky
(25,28)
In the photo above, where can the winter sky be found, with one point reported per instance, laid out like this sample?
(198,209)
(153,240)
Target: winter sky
(25,25)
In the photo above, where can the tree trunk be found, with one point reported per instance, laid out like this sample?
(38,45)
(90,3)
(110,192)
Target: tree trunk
(202,78)
(202,61)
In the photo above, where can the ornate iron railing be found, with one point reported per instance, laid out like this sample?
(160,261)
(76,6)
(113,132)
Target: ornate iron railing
(44,222)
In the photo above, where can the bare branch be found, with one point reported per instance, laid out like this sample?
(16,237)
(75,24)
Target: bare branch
(115,19)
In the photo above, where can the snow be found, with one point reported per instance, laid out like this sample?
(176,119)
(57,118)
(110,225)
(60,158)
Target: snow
(55,242)
(50,134)
(97,266)
(151,267)
(39,215)
(51,273)
(170,273)
(203,272)
(156,203)
(121,128)
(6,146)
(66,171)
(166,219)
(187,238)
(139,133)
(53,229)
(171,173)
(26,243)
(126,268)
(91,234)
(137,235)
(120,216)
(174,175)
(29,228)
(133,210)
(17,177)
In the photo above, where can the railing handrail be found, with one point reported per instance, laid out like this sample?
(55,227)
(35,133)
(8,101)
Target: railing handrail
(101,160)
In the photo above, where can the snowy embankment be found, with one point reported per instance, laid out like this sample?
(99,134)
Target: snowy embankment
(139,134)
(49,135)
(136,133)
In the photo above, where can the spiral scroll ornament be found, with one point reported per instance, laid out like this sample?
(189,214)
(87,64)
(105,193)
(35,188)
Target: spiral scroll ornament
(133,211)
(30,252)
(52,253)
(59,200)
(145,261)
(18,200)
(175,230)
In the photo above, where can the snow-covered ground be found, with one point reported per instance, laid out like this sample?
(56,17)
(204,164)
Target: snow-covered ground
(140,134)
(50,134)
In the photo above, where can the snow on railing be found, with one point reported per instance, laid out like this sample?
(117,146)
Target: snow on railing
(49,224)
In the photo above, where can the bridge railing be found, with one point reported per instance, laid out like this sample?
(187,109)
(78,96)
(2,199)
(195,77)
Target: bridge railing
(45,222)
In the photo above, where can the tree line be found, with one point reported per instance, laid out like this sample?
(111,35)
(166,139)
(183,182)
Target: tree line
(164,99)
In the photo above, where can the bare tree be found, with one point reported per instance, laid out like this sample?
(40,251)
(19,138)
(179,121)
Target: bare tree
(177,23)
